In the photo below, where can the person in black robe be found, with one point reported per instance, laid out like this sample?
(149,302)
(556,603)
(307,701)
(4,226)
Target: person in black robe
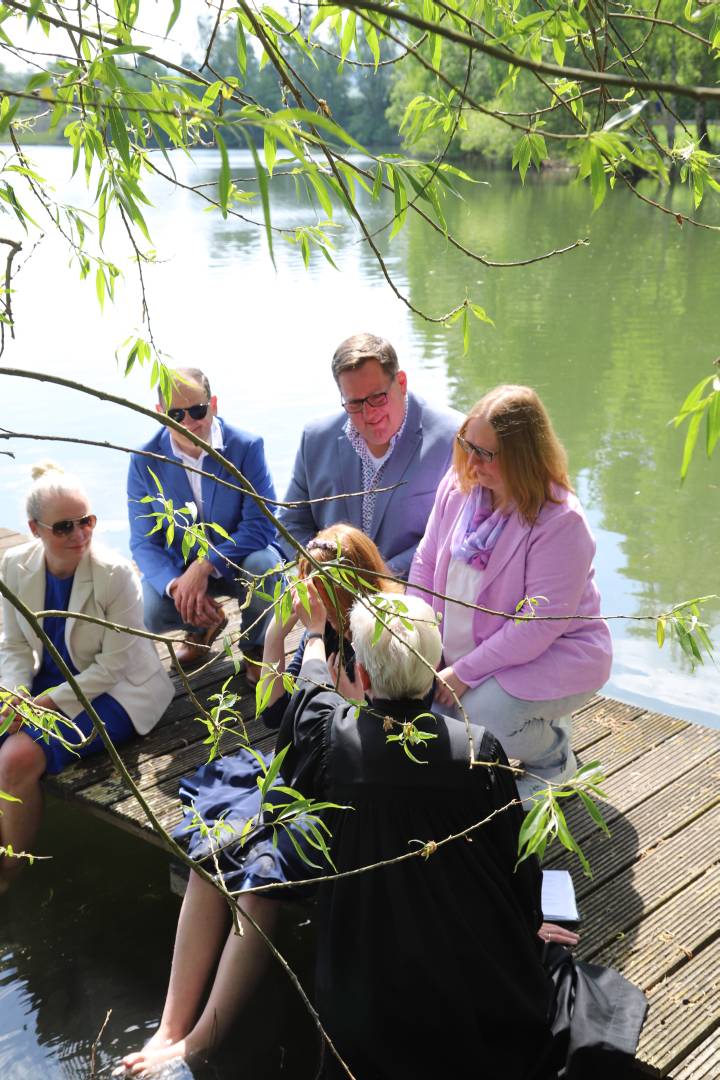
(432,965)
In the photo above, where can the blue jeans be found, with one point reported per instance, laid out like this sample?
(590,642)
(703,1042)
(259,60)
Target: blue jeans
(161,615)
(536,732)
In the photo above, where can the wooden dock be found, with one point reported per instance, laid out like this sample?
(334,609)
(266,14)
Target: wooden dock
(652,907)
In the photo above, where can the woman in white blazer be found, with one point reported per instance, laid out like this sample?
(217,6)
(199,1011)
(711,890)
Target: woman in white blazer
(121,674)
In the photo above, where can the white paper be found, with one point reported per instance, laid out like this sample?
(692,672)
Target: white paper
(558,897)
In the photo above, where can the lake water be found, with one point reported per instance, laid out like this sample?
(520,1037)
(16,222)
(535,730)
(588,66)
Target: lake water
(613,335)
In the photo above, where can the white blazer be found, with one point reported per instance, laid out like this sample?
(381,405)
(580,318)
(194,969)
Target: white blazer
(105,586)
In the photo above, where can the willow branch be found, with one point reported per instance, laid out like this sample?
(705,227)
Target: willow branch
(559,71)
(6,433)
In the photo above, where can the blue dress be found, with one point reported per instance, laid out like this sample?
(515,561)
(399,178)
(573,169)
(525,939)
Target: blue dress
(224,794)
(117,722)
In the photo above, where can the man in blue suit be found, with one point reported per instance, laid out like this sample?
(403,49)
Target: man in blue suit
(384,437)
(179,594)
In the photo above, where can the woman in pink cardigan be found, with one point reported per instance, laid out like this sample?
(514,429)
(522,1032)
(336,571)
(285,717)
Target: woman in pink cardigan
(508,534)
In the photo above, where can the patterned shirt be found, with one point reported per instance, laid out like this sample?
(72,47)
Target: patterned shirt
(372,467)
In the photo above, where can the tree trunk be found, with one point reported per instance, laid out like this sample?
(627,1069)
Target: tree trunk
(702,128)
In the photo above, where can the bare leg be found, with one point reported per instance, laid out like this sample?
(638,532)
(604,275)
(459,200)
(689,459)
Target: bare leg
(201,930)
(22,763)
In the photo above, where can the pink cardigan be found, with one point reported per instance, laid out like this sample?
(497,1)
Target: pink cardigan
(535,661)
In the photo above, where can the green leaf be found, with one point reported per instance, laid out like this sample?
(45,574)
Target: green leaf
(377,186)
(273,769)
(626,115)
(241,48)
(119,134)
(372,41)
(401,200)
(598,183)
(690,440)
(100,286)
(269,149)
(176,8)
(660,632)
(713,423)
(264,193)
(224,178)
(594,812)
(348,34)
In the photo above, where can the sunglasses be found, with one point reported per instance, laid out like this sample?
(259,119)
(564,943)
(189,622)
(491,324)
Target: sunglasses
(471,448)
(195,412)
(65,527)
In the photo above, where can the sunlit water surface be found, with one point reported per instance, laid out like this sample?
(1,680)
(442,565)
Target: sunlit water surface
(612,335)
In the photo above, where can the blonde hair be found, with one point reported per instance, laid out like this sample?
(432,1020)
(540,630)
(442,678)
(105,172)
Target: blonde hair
(402,661)
(355,550)
(532,460)
(49,479)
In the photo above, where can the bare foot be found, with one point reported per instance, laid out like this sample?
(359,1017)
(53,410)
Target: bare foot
(159,1051)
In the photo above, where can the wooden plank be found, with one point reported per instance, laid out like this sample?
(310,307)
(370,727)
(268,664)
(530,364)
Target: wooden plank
(149,773)
(631,834)
(599,718)
(176,729)
(648,883)
(704,1061)
(632,740)
(683,1012)
(649,774)
(672,935)
(163,800)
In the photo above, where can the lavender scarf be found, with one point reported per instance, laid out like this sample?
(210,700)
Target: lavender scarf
(478,529)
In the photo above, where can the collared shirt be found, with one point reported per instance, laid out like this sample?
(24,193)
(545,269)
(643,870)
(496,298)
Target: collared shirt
(194,479)
(372,467)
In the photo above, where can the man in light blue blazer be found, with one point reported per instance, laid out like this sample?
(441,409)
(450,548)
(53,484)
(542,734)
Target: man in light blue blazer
(180,594)
(384,438)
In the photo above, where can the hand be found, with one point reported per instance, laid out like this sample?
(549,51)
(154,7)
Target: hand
(7,709)
(550,931)
(349,688)
(443,695)
(189,592)
(314,620)
(44,701)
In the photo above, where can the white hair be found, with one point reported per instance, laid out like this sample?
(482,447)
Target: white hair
(49,479)
(410,635)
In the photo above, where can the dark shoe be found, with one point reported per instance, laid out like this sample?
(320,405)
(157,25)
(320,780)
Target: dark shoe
(253,655)
(195,649)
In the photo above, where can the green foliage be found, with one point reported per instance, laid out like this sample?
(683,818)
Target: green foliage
(683,622)
(546,822)
(222,718)
(195,534)
(313,98)
(410,735)
(702,401)
(295,815)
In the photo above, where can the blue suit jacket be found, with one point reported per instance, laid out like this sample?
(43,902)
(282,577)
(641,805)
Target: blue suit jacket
(236,512)
(326,464)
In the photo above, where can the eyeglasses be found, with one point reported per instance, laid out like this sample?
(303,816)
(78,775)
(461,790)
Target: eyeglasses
(375,401)
(65,527)
(195,412)
(471,448)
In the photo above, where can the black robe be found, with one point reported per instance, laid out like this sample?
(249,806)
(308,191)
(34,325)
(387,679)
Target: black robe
(432,967)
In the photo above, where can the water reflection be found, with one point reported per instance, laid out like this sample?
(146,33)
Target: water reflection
(612,335)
